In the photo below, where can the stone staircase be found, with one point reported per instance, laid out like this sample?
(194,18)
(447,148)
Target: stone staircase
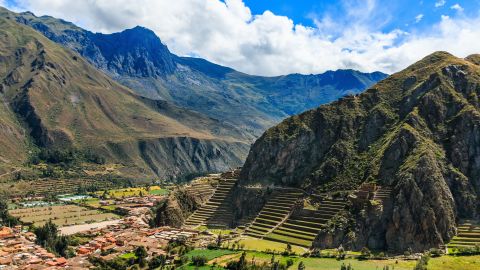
(301,228)
(468,235)
(277,209)
(383,194)
(214,204)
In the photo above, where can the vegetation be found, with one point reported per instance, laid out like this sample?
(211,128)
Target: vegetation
(48,237)
(5,218)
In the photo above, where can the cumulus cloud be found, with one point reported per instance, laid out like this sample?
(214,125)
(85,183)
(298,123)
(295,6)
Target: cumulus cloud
(440,3)
(227,33)
(457,7)
(418,18)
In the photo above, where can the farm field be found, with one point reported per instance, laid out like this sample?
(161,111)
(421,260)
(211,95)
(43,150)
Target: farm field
(255,244)
(132,192)
(61,215)
(221,257)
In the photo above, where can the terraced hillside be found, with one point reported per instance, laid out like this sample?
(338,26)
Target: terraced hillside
(383,194)
(215,203)
(301,228)
(468,235)
(277,209)
(57,186)
(202,190)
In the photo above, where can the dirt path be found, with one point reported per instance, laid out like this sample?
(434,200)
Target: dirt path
(69,230)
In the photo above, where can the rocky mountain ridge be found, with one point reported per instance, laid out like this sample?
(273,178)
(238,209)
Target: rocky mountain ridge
(416,132)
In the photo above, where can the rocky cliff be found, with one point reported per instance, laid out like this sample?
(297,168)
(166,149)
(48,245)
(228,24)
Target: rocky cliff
(416,131)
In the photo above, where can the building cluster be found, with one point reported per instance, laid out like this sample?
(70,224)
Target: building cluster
(19,251)
(112,241)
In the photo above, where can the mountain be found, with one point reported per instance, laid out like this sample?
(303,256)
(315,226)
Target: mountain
(416,132)
(52,98)
(137,59)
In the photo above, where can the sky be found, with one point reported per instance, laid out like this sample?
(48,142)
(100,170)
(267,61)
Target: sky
(273,37)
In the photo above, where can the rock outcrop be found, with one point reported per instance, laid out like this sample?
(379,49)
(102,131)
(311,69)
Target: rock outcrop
(416,131)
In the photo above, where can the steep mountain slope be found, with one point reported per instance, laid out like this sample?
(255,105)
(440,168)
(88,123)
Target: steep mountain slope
(137,58)
(54,98)
(416,131)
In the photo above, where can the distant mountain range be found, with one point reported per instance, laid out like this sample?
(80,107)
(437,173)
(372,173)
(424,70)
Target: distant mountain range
(137,58)
(169,116)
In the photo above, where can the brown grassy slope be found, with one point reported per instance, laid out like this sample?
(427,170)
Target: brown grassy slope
(66,102)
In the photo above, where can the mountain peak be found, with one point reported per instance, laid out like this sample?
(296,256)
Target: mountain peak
(135,52)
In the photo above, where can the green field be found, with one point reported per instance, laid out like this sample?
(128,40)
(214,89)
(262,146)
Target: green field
(255,244)
(210,254)
(334,264)
(455,263)
(132,192)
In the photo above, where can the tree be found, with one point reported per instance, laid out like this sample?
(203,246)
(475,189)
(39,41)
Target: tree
(156,262)
(5,218)
(365,253)
(289,263)
(219,240)
(141,254)
(200,260)
(241,264)
(422,263)
(47,237)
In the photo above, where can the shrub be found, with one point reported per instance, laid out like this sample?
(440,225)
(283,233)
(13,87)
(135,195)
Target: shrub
(422,263)
(365,253)
(200,260)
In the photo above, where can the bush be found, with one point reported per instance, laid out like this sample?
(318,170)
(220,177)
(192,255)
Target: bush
(289,262)
(157,262)
(422,263)
(200,260)
(365,253)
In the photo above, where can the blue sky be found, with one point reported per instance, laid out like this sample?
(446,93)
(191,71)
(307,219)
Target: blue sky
(397,14)
(273,37)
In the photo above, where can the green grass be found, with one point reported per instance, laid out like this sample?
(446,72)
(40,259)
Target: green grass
(454,263)
(128,255)
(210,254)
(133,192)
(292,240)
(255,244)
(158,192)
(334,264)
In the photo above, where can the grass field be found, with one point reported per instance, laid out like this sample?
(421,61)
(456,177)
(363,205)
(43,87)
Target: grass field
(454,263)
(255,244)
(221,257)
(133,192)
(61,215)
(210,254)
(334,264)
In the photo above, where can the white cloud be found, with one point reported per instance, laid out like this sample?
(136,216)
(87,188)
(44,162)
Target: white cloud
(227,33)
(457,7)
(418,18)
(440,3)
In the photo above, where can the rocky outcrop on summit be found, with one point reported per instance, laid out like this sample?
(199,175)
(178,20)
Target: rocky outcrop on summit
(416,131)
